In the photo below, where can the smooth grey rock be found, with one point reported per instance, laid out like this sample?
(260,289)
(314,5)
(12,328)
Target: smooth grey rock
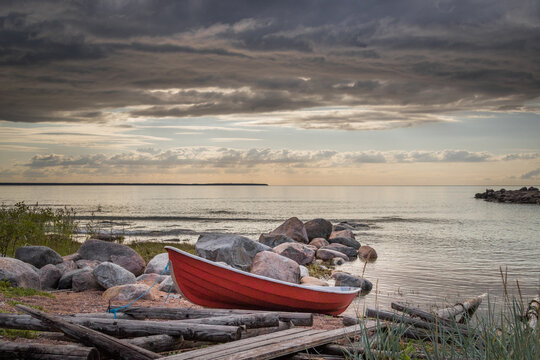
(303,271)
(327,254)
(109,275)
(318,228)
(293,228)
(344,279)
(65,281)
(274,240)
(18,273)
(367,253)
(39,256)
(296,251)
(272,265)
(345,241)
(127,292)
(84,281)
(167,285)
(158,264)
(235,250)
(119,254)
(49,275)
(351,252)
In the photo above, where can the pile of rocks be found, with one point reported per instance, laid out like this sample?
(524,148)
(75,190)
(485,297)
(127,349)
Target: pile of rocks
(524,195)
(97,265)
(284,253)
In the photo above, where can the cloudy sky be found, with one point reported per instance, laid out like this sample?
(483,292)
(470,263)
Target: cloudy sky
(281,92)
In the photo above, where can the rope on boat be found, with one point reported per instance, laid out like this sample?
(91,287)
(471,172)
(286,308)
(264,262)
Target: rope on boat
(115,310)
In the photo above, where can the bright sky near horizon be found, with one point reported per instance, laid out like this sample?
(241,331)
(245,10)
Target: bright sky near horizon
(400,92)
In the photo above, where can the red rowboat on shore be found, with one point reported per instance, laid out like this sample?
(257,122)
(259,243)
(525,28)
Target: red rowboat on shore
(210,284)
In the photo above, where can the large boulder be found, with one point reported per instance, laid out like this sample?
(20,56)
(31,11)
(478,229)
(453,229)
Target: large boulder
(109,275)
(367,253)
(293,228)
(93,249)
(327,254)
(318,242)
(350,242)
(49,275)
(343,233)
(235,250)
(18,273)
(158,264)
(318,228)
(84,281)
(270,264)
(351,252)
(344,279)
(65,281)
(274,240)
(297,252)
(127,292)
(39,256)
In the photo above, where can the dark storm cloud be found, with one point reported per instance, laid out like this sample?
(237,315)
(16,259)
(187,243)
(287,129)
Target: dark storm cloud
(75,61)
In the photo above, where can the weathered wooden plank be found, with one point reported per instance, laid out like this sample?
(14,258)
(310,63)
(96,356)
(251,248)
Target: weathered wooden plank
(133,328)
(157,343)
(141,313)
(245,344)
(12,350)
(263,331)
(116,348)
(249,321)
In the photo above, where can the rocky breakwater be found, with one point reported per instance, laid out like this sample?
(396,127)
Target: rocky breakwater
(296,252)
(524,195)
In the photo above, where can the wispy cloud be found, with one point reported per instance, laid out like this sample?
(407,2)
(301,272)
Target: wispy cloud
(531,175)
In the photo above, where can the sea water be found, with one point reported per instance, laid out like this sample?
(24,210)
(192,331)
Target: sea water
(435,244)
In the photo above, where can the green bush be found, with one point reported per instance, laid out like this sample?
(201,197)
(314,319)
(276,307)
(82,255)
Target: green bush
(22,225)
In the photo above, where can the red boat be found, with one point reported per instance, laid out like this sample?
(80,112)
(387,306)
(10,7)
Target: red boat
(210,284)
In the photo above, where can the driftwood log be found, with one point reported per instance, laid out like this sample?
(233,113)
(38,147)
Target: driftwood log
(12,350)
(157,343)
(466,309)
(263,331)
(532,313)
(116,348)
(426,316)
(141,313)
(249,321)
(132,328)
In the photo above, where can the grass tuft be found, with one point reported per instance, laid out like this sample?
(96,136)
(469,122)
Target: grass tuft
(11,292)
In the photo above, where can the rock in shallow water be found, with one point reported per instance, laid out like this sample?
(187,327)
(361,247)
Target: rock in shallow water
(344,279)
(367,253)
(318,228)
(351,253)
(274,240)
(293,228)
(327,254)
(350,242)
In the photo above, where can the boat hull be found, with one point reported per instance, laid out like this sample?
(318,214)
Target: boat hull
(209,284)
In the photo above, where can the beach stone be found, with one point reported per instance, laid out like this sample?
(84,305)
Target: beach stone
(18,273)
(39,256)
(158,264)
(235,250)
(344,279)
(350,242)
(338,261)
(109,275)
(314,248)
(343,233)
(92,264)
(272,265)
(351,252)
(310,280)
(327,254)
(296,251)
(318,242)
(168,285)
(67,266)
(93,249)
(49,275)
(65,281)
(318,228)
(72,257)
(367,253)
(127,292)
(293,228)
(84,281)
(274,240)
(151,278)
(303,271)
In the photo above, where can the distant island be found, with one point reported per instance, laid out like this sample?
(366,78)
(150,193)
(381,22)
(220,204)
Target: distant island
(524,195)
(127,184)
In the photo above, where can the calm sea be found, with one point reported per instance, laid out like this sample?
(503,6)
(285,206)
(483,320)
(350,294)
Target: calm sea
(436,244)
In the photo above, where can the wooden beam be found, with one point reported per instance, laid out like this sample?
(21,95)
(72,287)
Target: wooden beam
(157,343)
(116,348)
(13,350)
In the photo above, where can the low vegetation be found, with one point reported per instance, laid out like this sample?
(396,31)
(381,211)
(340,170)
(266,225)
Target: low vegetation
(22,225)
(9,291)
(321,272)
